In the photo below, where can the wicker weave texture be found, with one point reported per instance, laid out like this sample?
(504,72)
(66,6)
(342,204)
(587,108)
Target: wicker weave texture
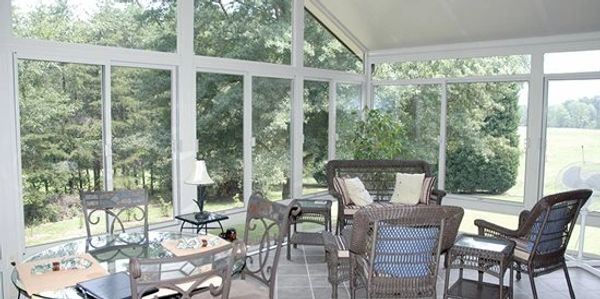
(395,250)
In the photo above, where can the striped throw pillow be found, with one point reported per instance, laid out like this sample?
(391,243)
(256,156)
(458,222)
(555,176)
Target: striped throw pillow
(428,185)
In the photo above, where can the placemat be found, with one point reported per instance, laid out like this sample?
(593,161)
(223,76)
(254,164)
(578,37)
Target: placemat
(213,242)
(55,280)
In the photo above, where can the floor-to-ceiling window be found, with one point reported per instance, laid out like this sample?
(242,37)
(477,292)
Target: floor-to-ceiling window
(316,136)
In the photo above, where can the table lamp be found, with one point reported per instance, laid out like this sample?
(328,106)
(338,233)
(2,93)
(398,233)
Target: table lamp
(201,179)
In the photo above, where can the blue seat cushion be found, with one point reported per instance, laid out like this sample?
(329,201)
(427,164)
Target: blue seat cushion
(403,251)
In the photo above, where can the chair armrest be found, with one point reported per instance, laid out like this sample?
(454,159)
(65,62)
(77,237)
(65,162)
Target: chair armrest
(437,196)
(523,217)
(489,229)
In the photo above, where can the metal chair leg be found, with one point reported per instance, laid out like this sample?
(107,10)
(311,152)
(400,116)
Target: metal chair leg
(533,290)
(571,292)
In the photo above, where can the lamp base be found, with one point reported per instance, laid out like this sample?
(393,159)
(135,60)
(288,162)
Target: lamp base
(201,215)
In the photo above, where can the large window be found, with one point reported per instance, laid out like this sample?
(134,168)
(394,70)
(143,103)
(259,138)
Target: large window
(573,137)
(324,50)
(61,145)
(316,123)
(142,24)
(141,136)
(271,114)
(246,29)
(348,110)
(485,153)
(219,130)
(417,109)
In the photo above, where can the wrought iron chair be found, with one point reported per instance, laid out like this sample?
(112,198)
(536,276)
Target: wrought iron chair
(394,251)
(543,234)
(111,206)
(207,273)
(379,178)
(270,220)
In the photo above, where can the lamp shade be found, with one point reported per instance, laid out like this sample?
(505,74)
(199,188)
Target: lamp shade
(200,175)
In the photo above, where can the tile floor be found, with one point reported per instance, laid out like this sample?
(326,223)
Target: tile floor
(305,277)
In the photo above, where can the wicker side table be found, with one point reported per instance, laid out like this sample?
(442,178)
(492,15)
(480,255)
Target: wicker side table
(311,211)
(486,255)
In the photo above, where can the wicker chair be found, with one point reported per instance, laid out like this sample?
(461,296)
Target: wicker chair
(338,255)
(543,234)
(97,205)
(208,272)
(394,251)
(379,178)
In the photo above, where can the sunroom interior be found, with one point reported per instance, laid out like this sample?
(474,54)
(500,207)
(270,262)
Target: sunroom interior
(500,98)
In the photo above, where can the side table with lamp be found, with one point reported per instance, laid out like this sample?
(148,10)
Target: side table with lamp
(201,219)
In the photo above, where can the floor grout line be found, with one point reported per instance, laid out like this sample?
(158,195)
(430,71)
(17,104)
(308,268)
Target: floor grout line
(312,291)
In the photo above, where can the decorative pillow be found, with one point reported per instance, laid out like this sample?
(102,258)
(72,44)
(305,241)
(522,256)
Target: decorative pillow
(353,191)
(428,184)
(408,188)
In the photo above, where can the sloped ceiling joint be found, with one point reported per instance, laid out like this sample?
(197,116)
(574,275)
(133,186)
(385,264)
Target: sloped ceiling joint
(328,19)
(556,43)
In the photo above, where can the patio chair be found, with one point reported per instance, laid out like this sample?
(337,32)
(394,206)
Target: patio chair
(543,234)
(379,178)
(270,222)
(337,246)
(394,251)
(112,206)
(208,273)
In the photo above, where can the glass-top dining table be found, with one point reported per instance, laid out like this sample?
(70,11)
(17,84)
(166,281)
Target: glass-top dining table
(112,252)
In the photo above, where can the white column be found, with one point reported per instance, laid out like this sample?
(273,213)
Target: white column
(332,136)
(534,161)
(186,94)
(248,138)
(297,114)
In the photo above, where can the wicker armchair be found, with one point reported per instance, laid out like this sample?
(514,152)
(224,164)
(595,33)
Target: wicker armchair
(379,178)
(337,251)
(543,234)
(394,251)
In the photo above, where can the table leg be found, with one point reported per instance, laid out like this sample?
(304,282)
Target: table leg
(181,228)
(220,225)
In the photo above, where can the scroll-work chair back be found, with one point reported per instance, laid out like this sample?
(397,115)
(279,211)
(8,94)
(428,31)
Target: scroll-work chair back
(269,220)
(115,207)
(543,234)
(394,251)
(209,273)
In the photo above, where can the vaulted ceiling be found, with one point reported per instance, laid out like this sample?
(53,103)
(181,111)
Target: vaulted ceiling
(375,25)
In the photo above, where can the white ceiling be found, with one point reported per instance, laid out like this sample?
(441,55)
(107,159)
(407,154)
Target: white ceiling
(392,24)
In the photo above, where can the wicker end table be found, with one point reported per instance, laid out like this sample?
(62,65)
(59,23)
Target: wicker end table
(486,255)
(311,211)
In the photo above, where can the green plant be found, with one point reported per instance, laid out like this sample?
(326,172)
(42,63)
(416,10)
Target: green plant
(378,136)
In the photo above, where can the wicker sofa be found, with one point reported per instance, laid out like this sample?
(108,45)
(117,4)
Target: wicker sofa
(379,178)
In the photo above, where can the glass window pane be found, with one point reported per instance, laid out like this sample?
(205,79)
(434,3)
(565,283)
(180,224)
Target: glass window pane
(455,67)
(271,111)
(324,50)
(245,29)
(316,123)
(348,111)
(142,24)
(61,145)
(219,130)
(485,155)
(572,62)
(573,137)
(417,108)
(141,136)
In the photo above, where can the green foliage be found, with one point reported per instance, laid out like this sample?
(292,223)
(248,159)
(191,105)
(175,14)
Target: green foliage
(582,113)
(379,136)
